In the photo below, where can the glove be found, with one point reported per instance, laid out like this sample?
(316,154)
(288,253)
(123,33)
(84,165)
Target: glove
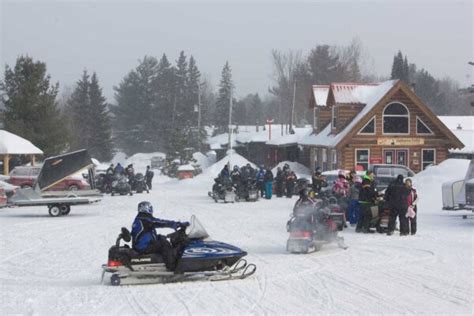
(184,224)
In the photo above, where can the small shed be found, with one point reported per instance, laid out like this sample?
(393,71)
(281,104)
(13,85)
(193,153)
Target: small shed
(11,144)
(185,172)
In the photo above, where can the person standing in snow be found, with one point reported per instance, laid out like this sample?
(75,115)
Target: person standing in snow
(236,178)
(268,184)
(149,177)
(225,175)
(412,209)
(367,199)
(290,183)
(355,186)
(261,180)
(118,170)
(280,182)
(396,196)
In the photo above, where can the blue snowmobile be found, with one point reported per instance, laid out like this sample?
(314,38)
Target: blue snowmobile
(201,259)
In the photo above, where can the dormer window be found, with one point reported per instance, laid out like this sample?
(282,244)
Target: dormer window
(422,128)
(369,128)
(396,119)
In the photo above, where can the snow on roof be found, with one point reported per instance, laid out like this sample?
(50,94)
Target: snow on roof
(300,170)
(353,93)
(16,145)
(288,139)
(467,138)
(369,95)
(320,93)
(466,122)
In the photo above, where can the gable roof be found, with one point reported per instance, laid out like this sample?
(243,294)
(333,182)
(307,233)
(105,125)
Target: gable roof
(370,95)
(16,145)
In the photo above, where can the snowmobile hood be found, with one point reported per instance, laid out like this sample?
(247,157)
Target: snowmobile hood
(211,249)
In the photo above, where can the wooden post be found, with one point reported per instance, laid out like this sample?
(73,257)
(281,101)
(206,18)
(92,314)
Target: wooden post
(6,161)
(33,160)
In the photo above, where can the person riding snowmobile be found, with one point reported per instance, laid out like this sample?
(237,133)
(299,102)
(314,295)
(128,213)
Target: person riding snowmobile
(318,181)
(146,240)
(304,201)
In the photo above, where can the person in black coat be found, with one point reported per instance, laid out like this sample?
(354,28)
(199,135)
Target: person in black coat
(396,196)
(280,182)
(149,177)
(367,199)
(268,178)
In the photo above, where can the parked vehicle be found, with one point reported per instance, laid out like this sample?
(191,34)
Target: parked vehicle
(139,184)
(386,173)
(121,186)
(25,177)
(459,194)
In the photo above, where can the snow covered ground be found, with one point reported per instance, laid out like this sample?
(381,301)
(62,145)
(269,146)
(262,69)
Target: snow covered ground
(52,265)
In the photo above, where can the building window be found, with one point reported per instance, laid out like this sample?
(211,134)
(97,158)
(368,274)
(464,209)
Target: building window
(333,117)
(362,159)
(325,159)
(422,128)
(369,128)
(428,157)
(334,159)
(396,119)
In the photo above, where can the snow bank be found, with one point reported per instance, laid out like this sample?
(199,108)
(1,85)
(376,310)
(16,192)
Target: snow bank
(300,170)
(234,158)
(139,160)
(428,182)
(204,161)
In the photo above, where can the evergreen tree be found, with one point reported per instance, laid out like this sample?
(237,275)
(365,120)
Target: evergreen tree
(181,88)
(400,68)
(100,144)
(30,106)
(76,107)
(221,115)
(323,65)
(195,103)
(164,114)
(135,125)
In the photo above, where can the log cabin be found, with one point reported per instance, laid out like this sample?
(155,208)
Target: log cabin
(356,125)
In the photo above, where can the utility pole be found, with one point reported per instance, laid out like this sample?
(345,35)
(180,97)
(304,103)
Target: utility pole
(293,107)
(199,116)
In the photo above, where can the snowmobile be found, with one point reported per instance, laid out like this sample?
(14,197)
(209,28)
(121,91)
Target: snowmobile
(121,186)
(248,191)
(336,213)
(139,184)
(201,259)
(310,227)
(223,190)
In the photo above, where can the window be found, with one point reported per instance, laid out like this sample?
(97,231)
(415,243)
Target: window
(397,171)
(369,128)
(325,159)
(428,157)
(396,119)
(334,159)
(383,171)
(362,159)
(333,120)
(422,128)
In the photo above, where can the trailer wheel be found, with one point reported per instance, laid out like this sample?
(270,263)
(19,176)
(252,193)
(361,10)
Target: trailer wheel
(65,209)
(115,280)
(54,210)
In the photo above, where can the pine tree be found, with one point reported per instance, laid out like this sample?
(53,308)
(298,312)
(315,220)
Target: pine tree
(181,87)
(400,68)
(194,104)
(100,144)
(30,106)
(164,115)
(76,107)
(221,116)
(135,126)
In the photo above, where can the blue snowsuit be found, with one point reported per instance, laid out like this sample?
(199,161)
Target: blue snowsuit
(146,240)
(261,181)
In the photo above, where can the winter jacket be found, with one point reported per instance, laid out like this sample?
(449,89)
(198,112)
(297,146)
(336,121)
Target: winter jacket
(261,175)
(291,177)
(354,190)
(396,194)
(412,197)
(119,169)
(318,182)
(341,187)
(149,174)
(143,230)
(280,177)
(367,194)
(235,176)
(268,176)
(225,173)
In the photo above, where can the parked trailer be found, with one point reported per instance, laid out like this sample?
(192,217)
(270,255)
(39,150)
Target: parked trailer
(459,194)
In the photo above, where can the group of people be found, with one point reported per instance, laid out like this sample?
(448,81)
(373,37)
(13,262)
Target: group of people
(358,196)
(118,170)
(264,179)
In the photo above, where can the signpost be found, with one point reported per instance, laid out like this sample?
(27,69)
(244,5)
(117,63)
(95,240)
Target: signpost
(269,122)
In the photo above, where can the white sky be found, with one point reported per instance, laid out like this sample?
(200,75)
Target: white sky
(110,36)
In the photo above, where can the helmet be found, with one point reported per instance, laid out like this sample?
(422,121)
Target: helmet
(145,207)
(303,193)
(236,168)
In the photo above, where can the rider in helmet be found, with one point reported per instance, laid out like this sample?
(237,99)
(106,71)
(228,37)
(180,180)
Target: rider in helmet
(304,202)
(146,240)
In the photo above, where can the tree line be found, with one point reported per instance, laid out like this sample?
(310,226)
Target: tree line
(165,106)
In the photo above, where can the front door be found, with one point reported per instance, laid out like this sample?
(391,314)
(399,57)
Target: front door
(396,156)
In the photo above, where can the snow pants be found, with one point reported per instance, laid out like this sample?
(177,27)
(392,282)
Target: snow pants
(279,188)
(412,223)
(163,247)
(268,189)
(290,187)
(363,224)
(354,212)
(148,183)
(399,212)
(261,188)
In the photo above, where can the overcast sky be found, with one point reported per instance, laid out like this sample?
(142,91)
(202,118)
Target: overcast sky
(110,36)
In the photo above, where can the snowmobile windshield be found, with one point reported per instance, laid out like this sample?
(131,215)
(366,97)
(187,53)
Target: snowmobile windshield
(195,229)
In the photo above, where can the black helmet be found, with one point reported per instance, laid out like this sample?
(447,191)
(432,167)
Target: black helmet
(303,193)
(145,207)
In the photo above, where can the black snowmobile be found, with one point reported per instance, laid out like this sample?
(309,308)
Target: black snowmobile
(249,190)
(121,186)
(223,189)
(139,183)
(201,258)
(310,227)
